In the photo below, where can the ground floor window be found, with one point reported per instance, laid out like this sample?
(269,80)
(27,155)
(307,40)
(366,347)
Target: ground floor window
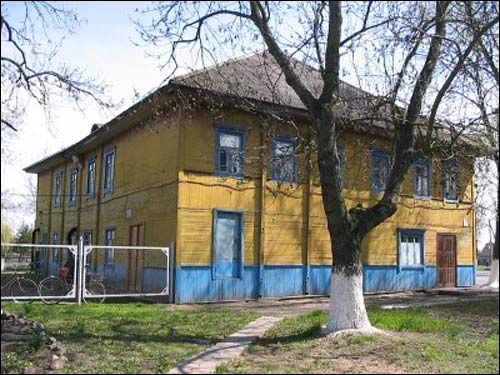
(109,252)
(411,248)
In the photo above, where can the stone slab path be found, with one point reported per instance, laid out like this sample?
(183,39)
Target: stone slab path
(226,350)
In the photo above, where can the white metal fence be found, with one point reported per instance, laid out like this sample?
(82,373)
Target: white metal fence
(79,272)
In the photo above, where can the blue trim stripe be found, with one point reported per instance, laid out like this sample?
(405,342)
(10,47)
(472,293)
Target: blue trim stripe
(195,284)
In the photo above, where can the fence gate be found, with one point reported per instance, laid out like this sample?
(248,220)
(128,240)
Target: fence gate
(78,272)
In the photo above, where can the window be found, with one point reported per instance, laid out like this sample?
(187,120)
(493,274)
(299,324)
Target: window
(423,178)
(55,251)
(380,170)
(284,161)
(109,170)
(450,183)
(229,152)
(411,248)
(57,189)
(73,182)
(91,178)
(109,253)
(87,238)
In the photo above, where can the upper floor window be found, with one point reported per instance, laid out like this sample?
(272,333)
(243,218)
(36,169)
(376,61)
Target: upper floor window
(423,178)
(109,252)
(109,170)
(58,189)
(91,178)
(284,161)
(451,177)
(229,152)
(73,182)
(381,169)
(411,248)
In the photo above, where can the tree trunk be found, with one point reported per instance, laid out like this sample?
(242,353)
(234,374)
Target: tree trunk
(347,305)
(493,279)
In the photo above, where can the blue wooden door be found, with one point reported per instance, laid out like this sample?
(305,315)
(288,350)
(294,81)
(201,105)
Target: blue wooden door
(227,245)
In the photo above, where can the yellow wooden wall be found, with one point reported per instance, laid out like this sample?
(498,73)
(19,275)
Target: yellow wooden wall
(284,232)
(164,174)
(145,184)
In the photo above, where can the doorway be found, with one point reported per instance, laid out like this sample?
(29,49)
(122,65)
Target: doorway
(446,260)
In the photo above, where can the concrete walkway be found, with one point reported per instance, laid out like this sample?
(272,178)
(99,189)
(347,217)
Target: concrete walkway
(226,350)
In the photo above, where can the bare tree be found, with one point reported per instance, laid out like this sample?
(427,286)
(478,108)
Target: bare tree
(420,40)
(30,70)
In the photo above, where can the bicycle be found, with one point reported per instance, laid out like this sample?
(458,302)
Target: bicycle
(57,286)
(20,286)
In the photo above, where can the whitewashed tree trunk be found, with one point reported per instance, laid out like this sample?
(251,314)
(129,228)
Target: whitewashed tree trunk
(493,278)
(347,304)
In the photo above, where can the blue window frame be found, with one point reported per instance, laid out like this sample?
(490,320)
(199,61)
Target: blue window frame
(109,170)
(411,248)
(109,252)
(422,178)
(227,249)
(73,183)
(87,238)
(229,151)
(58,189)
(284,159)
(91,178)
(451,181)
(381,168)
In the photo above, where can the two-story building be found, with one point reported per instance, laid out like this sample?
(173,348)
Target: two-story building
(222,163)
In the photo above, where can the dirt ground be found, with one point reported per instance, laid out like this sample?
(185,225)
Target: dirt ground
(287,307)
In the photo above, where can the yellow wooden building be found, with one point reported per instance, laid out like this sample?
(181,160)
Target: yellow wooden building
(219,162)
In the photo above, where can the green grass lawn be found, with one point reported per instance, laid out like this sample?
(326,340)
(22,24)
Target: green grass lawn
(131,337)
(460,338)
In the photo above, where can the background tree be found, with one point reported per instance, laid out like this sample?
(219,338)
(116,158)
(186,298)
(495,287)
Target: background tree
(24,234)
(421,42)
(33,77)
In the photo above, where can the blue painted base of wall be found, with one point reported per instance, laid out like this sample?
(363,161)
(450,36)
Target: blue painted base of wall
(196,283)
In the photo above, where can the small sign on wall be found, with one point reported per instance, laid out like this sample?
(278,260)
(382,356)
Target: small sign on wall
(128,213)
(466,222)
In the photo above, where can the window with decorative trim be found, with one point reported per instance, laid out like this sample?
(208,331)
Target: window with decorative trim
(381,168)
(451,181)
(58,189)
(109,170)
(422,180)
(109,252)
(284,160)
(411,248)
(73,183)
(91,178)
(229,152)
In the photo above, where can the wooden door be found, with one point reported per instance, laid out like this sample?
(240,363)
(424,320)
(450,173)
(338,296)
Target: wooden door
(446,260)
(136,259)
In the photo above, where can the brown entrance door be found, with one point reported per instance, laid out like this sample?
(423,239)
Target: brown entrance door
(446,260)
(136,259)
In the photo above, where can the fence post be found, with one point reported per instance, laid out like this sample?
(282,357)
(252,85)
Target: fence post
(80,255)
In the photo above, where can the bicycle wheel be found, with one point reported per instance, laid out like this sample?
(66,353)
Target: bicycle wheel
(23,288)
(50,288)
(95,288)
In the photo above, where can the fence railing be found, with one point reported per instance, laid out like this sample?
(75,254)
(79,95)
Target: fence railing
(79,272)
